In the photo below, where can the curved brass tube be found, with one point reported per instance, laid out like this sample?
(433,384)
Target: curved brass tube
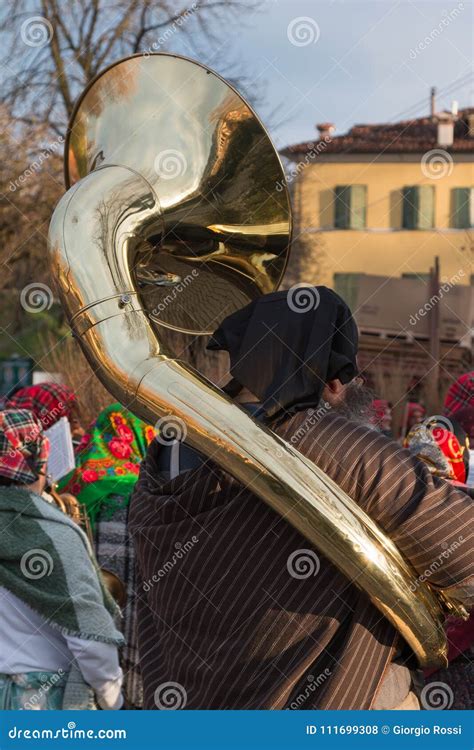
(98,232)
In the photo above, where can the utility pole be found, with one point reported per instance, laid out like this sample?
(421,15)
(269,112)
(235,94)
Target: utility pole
(434,342)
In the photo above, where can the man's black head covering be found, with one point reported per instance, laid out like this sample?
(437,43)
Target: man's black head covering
(284,347)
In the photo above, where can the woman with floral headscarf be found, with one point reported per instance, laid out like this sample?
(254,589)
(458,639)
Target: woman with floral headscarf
(58,640)
(107,467)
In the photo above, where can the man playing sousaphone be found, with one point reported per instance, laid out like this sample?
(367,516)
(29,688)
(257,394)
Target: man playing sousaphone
(252,616)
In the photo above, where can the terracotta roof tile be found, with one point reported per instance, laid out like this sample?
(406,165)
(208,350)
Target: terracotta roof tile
(407,136)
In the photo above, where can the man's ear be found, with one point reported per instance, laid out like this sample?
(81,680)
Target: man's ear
(335,386)
(333,392)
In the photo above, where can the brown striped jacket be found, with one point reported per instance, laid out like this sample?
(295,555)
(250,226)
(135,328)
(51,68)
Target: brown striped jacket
(221,615)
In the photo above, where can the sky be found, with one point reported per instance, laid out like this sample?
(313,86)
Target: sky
(347,62)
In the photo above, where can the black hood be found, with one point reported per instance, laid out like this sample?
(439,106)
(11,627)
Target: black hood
(284,347)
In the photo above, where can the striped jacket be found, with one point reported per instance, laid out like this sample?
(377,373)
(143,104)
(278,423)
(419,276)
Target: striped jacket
(228,618)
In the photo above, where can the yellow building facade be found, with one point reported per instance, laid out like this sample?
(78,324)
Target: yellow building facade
(384,241)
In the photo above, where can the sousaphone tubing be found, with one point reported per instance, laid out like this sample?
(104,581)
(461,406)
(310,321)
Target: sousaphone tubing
(174,218)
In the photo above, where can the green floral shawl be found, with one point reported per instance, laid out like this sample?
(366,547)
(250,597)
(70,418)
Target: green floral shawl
(108,461)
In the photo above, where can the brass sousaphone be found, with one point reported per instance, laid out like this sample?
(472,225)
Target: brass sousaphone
(175,217)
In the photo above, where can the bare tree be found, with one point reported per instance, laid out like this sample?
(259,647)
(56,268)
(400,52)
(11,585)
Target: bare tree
(51,49)
(55,47)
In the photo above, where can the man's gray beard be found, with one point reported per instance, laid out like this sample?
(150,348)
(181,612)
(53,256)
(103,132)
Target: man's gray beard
(357,404)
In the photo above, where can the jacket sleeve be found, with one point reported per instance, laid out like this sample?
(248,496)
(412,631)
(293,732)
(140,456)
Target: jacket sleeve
(430,521)
(99,666)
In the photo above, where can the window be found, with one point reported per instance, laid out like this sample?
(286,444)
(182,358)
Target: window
(350,207)
(418,207)
(463,208)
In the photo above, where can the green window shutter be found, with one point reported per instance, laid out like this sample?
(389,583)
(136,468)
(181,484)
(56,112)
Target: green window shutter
(358,206)
(342,207)
(350,207)
(418,207)
(463,214)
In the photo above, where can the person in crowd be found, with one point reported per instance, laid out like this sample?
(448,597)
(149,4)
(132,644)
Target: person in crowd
(382,419)
(414,414)
(459,403)
(107,467)
(460,394)
(58,640)
(49,402)
(229,623)
(444,452)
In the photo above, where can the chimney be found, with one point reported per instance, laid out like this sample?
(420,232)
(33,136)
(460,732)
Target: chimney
(445,135)
(433,101)
(326,129)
